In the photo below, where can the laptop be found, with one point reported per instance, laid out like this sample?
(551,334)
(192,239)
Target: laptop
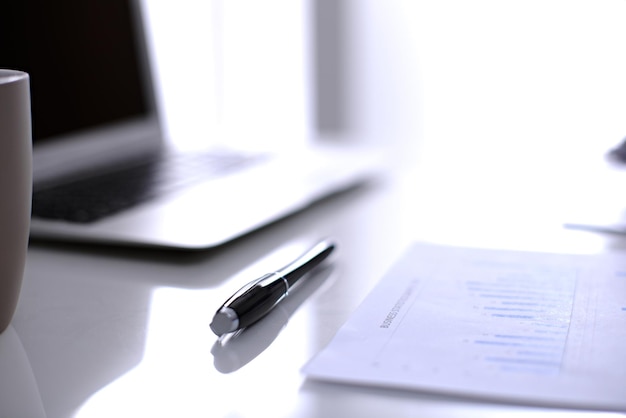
(102,170)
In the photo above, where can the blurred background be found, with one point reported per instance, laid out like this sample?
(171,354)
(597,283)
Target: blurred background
(280,71)
(489,97)
(449,72)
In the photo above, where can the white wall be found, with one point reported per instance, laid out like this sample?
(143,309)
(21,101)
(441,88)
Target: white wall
(183,51)
(441,75)
(462,73)
(233,72)
(377,78)
(546,72)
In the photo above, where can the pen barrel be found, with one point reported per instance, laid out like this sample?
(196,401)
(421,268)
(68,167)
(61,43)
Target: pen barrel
(258,300)
(306,262)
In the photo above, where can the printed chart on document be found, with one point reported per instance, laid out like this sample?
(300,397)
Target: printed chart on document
(530,327)
(519,320)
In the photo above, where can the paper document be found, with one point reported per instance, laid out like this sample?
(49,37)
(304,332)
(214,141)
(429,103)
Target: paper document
(545,329)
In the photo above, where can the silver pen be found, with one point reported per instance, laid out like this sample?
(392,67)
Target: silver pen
(256,299)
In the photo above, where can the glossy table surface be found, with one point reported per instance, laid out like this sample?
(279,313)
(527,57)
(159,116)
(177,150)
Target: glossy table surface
(125,332)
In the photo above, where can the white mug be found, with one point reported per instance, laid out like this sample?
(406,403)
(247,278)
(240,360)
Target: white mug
(15,187)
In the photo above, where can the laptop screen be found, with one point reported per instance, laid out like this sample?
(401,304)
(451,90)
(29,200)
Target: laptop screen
(82,59)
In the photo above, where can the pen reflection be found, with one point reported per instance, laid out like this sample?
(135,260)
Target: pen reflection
(233,351)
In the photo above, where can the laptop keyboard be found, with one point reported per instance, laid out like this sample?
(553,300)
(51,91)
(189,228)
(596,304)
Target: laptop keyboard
(93,198)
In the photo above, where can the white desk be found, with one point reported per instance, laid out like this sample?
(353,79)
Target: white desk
(103,332)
